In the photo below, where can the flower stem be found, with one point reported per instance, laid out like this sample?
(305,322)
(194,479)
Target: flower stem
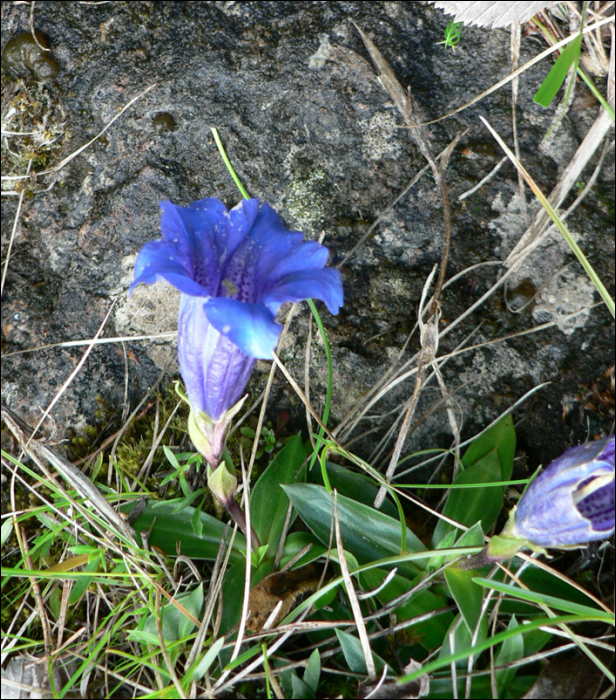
(233,508)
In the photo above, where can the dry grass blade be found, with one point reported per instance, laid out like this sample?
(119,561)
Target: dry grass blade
(93,341)
(75,372)
(609,302)
(387,78)
(77,480)
(246,601)
(429,346)
(597,132)
(348,582)
(14,231)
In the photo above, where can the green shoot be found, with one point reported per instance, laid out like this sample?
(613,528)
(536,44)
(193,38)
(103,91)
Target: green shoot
(452,34)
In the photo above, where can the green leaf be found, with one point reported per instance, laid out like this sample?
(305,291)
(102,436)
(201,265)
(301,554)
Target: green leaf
(233,595)
(171,458)
(431,632)
(301,689)
(203,666)
(197,523)
(555,78)
(353,654)
(174,623)
(462,639)
(467,594)
(367,533)
(488,458)
(437,560)
(268,502)
(551,601)
(511,649)
(294,544)
(83,582)
(312,674)
(354,485)
(6,530)
(170,528)
(500,436)
(469,506)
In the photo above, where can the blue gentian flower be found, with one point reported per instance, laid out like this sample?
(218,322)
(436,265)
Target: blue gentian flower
(572,501)
(234,268)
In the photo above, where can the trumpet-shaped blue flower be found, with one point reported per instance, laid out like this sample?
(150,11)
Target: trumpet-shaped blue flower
(235,268)
(572,501)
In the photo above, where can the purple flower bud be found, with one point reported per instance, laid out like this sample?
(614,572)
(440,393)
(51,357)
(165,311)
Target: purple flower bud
(572,501)
(235,268)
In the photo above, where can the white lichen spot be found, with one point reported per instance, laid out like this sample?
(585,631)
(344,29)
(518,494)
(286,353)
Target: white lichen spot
(566,294)
(381,137)
(321,55)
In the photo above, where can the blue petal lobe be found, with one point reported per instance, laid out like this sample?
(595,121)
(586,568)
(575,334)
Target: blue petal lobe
(195,231)
(250,326)
(241,220)
(325,285)
(306,256)
(162,260)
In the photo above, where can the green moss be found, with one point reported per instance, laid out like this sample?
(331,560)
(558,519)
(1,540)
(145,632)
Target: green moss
(33,123)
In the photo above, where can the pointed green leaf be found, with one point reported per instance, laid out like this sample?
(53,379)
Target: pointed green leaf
(501,437)
(430,633)
(301,690)
(468,506)
(353,654)
(203,666)
(367,533)
(467,594)
(555,78)
(268,502)
(313,671)
(488,458)
(170,529)
(511,649)
(351,484)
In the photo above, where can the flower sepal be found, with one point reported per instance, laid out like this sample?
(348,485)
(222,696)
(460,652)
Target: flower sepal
(501,547)
(207,435)
(222,483)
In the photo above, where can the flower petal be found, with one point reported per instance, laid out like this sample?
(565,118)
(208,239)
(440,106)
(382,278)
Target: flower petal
(325,285)
(568,503)
(241,222)
(273,238)
(194,231)
(309,255)
(215,370)
(160,260)
(246,270)
(597,502)
(250,326)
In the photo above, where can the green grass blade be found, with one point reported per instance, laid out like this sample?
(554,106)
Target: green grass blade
(555,78)
(227,162)
(551,601)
